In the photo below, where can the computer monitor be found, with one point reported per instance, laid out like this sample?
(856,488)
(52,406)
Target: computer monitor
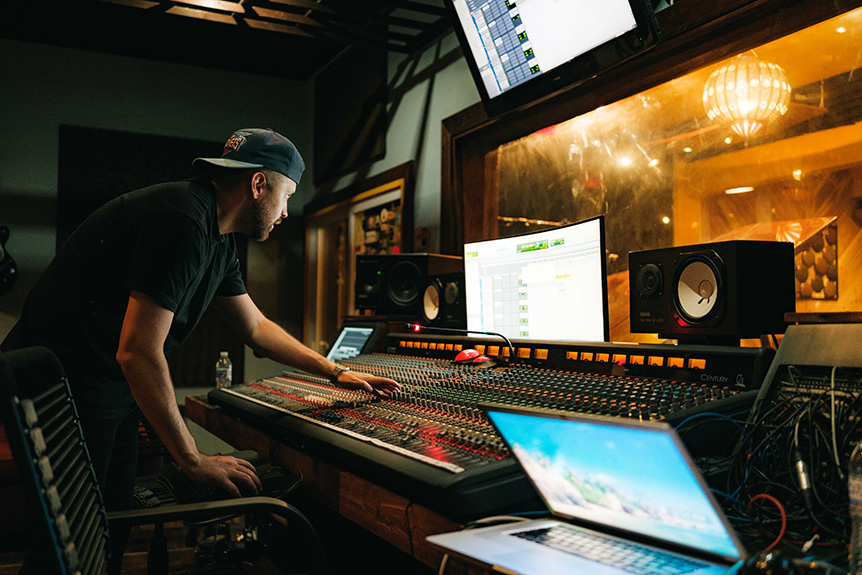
(520,51)
(547,285)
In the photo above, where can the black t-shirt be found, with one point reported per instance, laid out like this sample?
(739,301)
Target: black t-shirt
(162,241)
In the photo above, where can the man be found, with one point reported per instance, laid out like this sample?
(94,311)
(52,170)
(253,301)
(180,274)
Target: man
(132,282)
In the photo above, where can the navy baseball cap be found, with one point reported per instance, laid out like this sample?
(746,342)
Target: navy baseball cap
(257,148)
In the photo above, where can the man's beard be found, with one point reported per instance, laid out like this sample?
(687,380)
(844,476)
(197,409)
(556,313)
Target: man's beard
(259,228)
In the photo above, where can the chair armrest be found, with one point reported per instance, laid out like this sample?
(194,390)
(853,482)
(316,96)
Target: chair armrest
(204,510)
(226,507)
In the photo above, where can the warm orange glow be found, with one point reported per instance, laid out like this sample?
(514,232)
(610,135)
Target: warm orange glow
(740,190)
(746,94)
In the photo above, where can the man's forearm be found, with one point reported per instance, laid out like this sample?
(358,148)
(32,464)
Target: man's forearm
(150,382)
(268,338)
(275,343)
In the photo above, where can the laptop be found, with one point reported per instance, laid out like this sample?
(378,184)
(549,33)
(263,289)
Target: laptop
(624,497)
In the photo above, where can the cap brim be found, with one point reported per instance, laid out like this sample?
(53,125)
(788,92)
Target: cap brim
(223,163)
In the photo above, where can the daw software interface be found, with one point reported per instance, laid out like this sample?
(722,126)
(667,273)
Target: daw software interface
(549,285)
(513,41)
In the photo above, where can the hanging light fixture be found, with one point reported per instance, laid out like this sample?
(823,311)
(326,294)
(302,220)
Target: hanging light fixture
(746,93)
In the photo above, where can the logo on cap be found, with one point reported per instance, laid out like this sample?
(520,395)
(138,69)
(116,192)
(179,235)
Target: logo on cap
(234,142)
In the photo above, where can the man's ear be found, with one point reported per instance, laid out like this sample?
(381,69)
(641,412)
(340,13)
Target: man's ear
(258,183)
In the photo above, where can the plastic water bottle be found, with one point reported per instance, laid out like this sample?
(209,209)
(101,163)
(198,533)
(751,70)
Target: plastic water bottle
(224,371)
(855,489)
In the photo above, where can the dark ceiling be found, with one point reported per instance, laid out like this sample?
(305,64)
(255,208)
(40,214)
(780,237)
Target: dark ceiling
(282,38)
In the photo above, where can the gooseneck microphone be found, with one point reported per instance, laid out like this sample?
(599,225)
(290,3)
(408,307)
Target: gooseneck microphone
(419,327)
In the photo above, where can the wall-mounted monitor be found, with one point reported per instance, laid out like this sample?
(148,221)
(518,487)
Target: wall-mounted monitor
(547,285)
(520,51)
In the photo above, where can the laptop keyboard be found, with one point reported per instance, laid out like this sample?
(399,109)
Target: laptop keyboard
(609,551)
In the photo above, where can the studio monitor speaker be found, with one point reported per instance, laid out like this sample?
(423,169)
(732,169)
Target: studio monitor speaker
(399,284)
(443,301)
(717,292)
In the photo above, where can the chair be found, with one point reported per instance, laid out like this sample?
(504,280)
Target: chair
(64,501)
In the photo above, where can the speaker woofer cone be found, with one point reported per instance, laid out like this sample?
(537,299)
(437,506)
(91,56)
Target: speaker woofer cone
(697,292)
(404,283)
(431,302)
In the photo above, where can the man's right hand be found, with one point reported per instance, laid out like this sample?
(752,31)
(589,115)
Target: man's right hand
(235,476)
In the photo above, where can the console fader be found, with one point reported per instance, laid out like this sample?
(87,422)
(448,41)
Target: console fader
(430,441)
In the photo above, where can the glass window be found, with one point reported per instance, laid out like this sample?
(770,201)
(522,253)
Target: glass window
(764,145)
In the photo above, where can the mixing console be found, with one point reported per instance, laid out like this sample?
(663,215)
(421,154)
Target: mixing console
(430,441)
(461,389)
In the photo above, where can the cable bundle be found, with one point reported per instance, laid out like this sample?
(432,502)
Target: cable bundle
(786,479)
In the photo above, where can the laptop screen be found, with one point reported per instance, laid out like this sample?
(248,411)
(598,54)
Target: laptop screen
(626,475)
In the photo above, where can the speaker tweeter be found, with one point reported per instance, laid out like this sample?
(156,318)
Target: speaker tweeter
(650,280)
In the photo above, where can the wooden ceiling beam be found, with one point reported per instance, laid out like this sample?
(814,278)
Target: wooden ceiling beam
(208,15)
(221,5)
(276,27)
(285,16)
(368,22)
(328,12)
(429,35)
(308,5)
(408,5)
(145,4)
(367,32)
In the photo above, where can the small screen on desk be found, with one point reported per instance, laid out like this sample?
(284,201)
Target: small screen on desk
(351,341)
